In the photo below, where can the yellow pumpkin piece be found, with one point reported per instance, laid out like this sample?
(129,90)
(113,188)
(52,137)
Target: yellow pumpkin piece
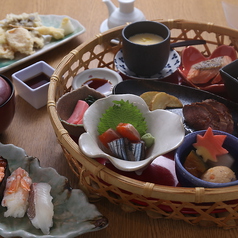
(148,96)
(163,100)
(195,165)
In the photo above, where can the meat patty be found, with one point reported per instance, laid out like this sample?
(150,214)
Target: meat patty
(208,113)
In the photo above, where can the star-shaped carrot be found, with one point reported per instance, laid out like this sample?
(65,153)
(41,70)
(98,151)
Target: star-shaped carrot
(209,146)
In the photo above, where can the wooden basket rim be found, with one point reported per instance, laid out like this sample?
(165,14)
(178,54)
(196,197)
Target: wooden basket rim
(180,194)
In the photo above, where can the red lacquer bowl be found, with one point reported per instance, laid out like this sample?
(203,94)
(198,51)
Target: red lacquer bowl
(7,108)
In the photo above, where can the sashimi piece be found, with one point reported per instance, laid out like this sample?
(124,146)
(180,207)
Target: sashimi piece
(41,208)
(108,136)
(123,149)
(79,110)
(128,131)
(16,193)
(204,71)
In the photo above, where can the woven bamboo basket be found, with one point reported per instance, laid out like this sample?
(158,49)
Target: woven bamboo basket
(199,206)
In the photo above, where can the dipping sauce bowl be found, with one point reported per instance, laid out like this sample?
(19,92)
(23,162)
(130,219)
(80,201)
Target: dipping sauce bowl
(7,103)
(32,83)
(101,79)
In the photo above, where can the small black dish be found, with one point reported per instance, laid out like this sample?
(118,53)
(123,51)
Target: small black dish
(229,74)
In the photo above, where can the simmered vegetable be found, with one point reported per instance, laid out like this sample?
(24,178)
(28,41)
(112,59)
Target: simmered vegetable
(195,164)
(209,146)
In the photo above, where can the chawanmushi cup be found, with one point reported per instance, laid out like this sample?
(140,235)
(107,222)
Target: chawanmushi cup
(146,59)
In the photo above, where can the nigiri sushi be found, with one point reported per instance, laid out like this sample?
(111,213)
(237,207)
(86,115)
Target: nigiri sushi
(41,210)
(16,193)
(204,71)
(4,173)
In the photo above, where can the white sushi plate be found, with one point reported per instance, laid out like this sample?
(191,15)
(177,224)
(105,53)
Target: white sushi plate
(73,215)
(47,20)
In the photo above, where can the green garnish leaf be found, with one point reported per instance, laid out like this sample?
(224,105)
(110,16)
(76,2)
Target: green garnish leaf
(125,112)
(90,100)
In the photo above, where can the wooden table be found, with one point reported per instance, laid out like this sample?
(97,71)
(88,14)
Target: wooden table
(31,128)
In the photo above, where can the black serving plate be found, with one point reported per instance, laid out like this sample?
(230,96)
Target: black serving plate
(187,95)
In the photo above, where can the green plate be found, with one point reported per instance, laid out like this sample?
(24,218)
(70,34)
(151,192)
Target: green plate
(47,20)
(73,215)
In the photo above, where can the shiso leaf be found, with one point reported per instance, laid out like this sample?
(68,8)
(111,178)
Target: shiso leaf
(125,112)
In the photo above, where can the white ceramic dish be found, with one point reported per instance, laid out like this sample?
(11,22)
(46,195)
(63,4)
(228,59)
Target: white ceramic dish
(73,215)
(47,20)
(172,65)
(37,97)
(101,73)
(165,126)
(104,26)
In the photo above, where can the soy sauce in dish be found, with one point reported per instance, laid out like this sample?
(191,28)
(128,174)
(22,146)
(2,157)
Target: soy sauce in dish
(37,80)
(100,85)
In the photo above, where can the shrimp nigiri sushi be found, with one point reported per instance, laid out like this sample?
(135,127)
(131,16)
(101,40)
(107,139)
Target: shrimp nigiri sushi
(4,173)
(41,210)
(16,193)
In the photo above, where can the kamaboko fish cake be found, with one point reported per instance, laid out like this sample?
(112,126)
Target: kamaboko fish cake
(16,193)
(41,209)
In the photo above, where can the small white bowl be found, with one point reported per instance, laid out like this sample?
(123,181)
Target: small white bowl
(37,96)
(165,126)
(100,73)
